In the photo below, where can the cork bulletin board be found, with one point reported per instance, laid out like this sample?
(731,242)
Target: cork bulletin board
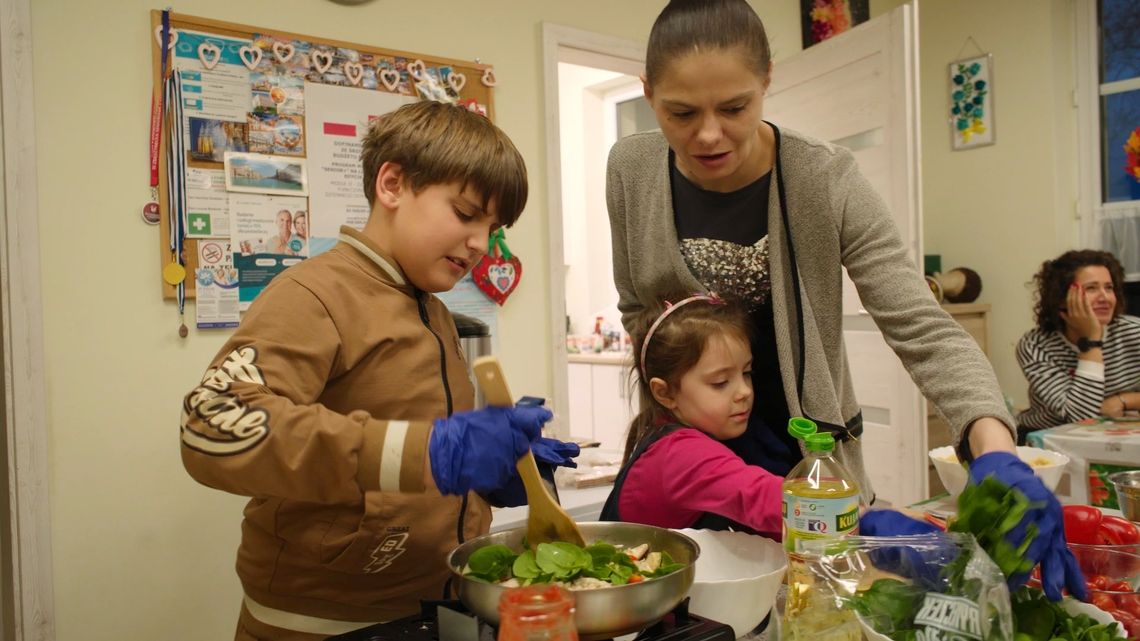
(258,127)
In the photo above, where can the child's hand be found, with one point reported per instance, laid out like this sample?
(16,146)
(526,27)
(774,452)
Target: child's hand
(478,450)
(546,450)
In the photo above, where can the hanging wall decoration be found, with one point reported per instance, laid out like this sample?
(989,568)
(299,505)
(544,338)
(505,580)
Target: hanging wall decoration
(499,272)
(971,102)
(822,19)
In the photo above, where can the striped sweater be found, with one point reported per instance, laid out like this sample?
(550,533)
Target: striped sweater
(1062,388)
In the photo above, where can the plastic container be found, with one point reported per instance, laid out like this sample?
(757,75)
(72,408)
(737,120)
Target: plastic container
(821,497)
(537,613)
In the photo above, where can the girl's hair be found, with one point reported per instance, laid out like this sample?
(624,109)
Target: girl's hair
(685,26)
(1055,277)
(675,346)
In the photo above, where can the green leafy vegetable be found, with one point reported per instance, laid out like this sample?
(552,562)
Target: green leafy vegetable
(990,511)
(889,605)
(563,562)
(1035,618)
(491,564)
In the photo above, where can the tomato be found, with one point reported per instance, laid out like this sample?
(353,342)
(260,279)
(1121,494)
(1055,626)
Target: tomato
(1104,602)
(1131,624)
(1119,586)
(1097,581)
(1129,603)
(1081,523)
(1114,530)
(636,578)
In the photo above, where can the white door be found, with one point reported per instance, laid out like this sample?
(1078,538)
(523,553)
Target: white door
(860,90)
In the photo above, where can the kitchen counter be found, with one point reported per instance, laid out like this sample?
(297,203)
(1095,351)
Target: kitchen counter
(581,504)
(602,358)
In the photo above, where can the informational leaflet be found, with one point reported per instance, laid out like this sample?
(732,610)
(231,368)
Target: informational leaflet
(336,119)
(269,234)
(215,106)
(207,206)
(212,96)
(217,285)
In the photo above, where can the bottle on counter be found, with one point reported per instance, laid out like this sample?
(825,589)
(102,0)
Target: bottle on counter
(821,501)
(821,498)
(541,612)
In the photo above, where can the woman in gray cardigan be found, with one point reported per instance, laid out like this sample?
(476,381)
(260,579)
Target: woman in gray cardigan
(721,200)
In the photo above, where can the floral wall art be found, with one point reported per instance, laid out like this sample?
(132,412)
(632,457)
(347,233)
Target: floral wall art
(822,19)
(971,102)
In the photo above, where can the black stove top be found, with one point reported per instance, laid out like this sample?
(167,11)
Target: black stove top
(451,621)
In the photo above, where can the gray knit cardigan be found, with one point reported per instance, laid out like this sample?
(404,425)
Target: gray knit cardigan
(837,220)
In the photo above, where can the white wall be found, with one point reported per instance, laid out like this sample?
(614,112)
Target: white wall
(1001,210)
(583,164)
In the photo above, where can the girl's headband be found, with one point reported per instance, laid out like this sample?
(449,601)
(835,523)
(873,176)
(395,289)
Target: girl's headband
(710,298)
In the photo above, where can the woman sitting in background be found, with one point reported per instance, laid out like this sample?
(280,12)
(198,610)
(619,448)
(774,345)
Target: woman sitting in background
(1083,359)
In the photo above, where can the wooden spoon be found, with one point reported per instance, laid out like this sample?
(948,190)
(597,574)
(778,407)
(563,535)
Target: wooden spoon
(547,521)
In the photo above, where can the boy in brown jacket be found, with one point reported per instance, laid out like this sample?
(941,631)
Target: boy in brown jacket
(320,406)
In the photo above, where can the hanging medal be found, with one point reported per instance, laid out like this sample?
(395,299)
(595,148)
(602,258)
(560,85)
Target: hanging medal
(174,273)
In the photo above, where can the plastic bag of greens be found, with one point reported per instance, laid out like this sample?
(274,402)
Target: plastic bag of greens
(933,587)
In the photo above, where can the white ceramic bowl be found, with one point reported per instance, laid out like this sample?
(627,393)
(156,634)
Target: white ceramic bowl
(738,576)
(1075,607)
(1047,464)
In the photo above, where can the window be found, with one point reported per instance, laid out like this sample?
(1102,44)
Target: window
(1119,95)
(1108,98)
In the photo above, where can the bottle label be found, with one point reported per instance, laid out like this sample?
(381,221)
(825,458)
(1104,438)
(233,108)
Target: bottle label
(822,518)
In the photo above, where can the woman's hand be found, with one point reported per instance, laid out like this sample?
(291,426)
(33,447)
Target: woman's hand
(1113,406)
(1079,314)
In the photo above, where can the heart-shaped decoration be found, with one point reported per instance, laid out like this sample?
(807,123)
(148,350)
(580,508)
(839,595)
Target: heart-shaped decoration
(209,53)
(171,33)
(418,70)
(322,60)
(283,51)
(250,56)
(488,78)
(497,276)
(457,81)
(354,72)
(390,78)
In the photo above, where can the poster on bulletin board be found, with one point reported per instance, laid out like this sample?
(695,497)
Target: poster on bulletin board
(256,162)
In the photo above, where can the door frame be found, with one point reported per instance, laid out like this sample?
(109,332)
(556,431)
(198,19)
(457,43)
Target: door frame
(26,594)
(568,44)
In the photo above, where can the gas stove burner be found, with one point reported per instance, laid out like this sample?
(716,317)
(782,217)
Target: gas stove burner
(451,621)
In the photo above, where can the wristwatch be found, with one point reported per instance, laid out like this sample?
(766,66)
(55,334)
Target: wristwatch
(1085,344)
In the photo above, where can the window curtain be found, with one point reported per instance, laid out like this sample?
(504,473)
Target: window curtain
(1119,233)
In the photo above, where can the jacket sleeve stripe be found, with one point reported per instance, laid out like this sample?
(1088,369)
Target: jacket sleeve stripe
(392,455)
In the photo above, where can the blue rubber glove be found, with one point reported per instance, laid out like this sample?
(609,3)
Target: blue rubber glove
(547,451)
(922,565)
(478,450)
(1058,565)
(892,523)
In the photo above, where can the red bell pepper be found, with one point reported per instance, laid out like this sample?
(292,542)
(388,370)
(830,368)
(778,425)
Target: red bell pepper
(1114,530)
(1082,523)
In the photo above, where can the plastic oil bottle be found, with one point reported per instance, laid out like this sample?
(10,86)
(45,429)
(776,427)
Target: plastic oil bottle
(821,498)
(821,501)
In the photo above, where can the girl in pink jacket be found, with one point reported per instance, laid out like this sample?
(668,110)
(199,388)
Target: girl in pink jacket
(694,367)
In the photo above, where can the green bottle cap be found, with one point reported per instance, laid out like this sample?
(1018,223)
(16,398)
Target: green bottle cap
(822,442)
(801,427)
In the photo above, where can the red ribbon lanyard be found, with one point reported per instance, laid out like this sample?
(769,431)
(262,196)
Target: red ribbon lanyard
(156,101)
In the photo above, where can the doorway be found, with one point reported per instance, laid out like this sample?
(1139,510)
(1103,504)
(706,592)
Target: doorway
(593,98)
